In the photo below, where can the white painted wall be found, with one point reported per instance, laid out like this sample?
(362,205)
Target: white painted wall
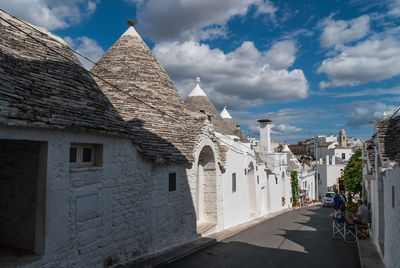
(130,213)
(307,182)
(348,153)
(392,217)
(237,204)
(329,175)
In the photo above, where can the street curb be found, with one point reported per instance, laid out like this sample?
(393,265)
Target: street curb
(163,258)
(369,255)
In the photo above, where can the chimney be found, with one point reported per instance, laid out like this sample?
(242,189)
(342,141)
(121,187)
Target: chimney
(327,160)
(265,136)
(333,160)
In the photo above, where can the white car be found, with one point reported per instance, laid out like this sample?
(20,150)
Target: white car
(328,199)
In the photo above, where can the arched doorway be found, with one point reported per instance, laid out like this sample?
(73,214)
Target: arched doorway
(206,181)
(251,189)
(283,184)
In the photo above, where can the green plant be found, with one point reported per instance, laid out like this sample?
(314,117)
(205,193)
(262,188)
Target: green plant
(353,174)
(295,186)
(352,207)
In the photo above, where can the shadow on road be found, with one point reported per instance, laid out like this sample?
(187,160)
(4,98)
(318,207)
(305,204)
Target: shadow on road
(295,239)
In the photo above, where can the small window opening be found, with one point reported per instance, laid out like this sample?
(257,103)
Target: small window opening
(172,182)
(85,155)
(72,154)
(276,180)
(233,182)
(258,180)
(245,171)
(343,156)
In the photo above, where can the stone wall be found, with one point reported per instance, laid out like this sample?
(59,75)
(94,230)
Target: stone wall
(392,217)
(109,214)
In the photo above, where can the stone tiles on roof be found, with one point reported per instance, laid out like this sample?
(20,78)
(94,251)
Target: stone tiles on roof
(49,89)
(131,66)
(388,137)
(227,126)
(370,151)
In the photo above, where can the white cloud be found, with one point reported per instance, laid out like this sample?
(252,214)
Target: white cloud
(370,92)
(87,47)
(371,60)
(394,8)
(55,14)
(339,32)
(281,55)
(285,121)
(162,20)
(365,112)
(243,77)
(284,128)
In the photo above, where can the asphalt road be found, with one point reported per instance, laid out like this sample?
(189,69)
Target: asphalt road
(300,238)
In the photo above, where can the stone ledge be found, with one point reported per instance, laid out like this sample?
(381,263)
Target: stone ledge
(369,254)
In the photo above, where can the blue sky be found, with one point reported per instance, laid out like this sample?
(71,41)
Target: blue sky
(312,67)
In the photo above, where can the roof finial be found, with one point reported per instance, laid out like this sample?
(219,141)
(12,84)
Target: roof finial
(198,80)
(131,22)
(225,106)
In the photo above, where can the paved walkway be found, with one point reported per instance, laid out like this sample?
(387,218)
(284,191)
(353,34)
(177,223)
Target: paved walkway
(301,238)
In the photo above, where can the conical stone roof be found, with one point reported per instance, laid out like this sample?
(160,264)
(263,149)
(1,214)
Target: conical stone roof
(198,101)
(46,86)
(167,136)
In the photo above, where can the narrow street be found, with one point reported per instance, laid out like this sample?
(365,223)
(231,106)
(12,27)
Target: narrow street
(301,238)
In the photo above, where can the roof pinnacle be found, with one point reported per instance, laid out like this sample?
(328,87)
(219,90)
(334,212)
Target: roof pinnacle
(131,22)
(197,91)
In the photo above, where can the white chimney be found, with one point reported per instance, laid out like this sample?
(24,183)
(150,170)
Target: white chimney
(265,136)
(327,160)
(333,160)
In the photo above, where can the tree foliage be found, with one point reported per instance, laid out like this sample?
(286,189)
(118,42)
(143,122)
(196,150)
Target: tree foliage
(294,183)
(353,174)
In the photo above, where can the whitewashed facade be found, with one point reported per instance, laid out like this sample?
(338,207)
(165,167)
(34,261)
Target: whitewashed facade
(92,177)
(381,180)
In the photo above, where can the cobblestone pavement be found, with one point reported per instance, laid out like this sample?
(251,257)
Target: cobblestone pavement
(299,238)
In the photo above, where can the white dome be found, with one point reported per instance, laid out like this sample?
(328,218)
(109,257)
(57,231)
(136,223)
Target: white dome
(224,114)
(197,91)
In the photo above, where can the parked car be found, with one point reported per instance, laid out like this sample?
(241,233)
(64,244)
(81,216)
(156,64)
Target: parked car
(328,199)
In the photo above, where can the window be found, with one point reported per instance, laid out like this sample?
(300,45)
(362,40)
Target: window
(256,168)
(343,156)
(258,180)
(276,180)
(85,155)
(245,171)
(233,182)
(172,182)
(305,184)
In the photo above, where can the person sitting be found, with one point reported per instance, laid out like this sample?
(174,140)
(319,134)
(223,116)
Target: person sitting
(341,217)
(362,215)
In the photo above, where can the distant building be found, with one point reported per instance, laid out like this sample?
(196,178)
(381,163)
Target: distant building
(299,149)
(331,158)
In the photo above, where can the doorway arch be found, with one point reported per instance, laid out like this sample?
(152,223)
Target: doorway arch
(206,183)
(251,189)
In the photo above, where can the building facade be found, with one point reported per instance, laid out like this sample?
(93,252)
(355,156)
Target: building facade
(103,167)
(381,181)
